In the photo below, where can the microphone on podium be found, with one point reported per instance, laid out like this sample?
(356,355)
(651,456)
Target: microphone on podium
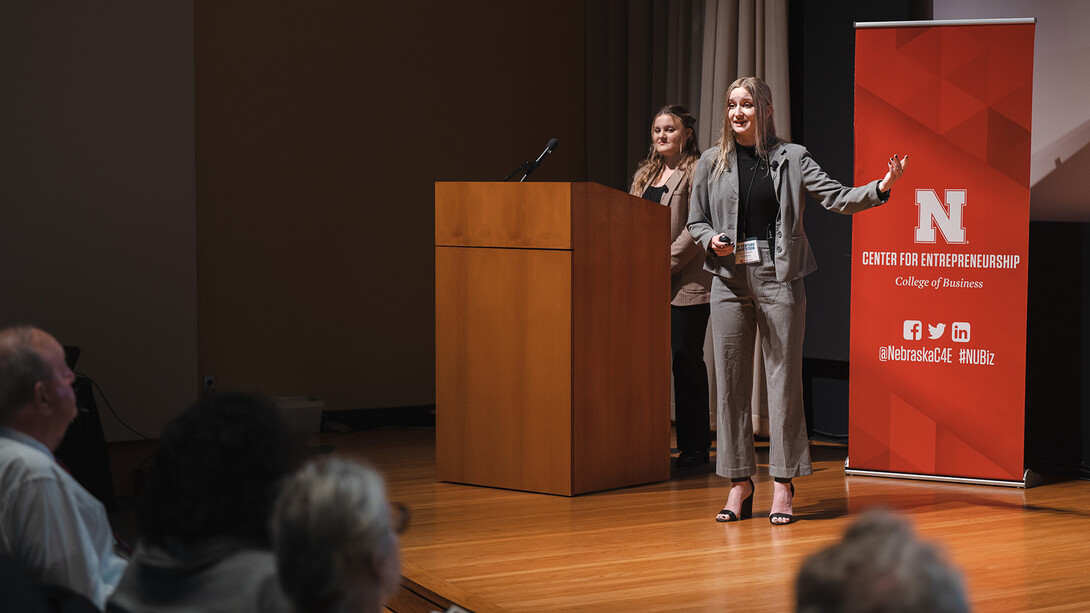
(529,167)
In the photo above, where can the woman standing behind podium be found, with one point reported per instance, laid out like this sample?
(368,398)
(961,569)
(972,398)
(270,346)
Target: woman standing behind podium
(665,177)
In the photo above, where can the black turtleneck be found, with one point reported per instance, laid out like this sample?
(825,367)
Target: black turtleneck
(757,206)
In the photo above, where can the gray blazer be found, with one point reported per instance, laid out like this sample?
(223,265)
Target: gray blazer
(689,283)
(713,207)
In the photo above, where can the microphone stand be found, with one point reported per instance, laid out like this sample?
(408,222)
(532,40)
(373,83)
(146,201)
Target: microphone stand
(528,167)
(521,168)
(533,167)
(535,163)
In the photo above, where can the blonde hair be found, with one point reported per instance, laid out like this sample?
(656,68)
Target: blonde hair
(652,166)
(766,125)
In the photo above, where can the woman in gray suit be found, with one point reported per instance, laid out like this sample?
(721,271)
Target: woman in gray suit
(747,204)
(666,177)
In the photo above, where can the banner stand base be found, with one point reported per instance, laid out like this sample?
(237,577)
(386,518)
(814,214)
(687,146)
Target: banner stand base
(1029,478)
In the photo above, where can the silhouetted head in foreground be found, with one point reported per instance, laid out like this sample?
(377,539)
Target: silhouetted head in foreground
(880,567)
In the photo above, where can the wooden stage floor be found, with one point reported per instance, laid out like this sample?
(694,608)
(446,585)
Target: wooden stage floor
(657,548)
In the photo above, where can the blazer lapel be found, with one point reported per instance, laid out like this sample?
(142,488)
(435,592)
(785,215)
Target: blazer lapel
(777,161)
(727,186)
(732,177)
(672,184)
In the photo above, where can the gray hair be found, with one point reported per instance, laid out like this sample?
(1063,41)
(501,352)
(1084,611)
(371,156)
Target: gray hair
(879,567)
(332,518)
(21,366)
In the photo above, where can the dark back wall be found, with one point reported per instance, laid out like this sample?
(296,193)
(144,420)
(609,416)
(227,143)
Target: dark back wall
(321,129)
(97,230)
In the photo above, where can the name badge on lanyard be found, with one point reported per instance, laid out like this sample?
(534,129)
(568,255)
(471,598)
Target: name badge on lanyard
(747,252)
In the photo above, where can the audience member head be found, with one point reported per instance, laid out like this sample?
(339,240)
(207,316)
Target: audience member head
(336,539)
(879,567)
(36,395)
(218,470)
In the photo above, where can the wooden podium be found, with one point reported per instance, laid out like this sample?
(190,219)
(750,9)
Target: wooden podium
(552,337)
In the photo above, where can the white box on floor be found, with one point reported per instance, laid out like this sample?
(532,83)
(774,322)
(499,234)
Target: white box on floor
(303,413)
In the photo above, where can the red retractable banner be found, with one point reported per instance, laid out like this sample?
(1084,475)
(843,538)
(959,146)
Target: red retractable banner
(938,307)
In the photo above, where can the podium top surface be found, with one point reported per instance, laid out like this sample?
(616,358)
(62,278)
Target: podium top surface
(532,215)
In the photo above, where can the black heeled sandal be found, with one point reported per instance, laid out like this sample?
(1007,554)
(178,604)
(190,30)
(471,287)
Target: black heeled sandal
(747,505)
(789,517)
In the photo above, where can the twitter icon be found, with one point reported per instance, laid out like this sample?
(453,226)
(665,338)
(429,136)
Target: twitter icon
(935,332)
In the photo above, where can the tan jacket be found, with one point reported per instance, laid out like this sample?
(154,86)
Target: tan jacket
(689,283)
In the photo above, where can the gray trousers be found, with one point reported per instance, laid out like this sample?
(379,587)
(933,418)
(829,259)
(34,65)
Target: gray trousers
(754,300)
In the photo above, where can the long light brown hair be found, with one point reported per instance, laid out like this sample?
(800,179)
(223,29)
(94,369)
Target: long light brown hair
(652,166)
(766,125)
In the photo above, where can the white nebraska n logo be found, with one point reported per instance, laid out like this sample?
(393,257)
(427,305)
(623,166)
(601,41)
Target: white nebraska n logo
(933,213)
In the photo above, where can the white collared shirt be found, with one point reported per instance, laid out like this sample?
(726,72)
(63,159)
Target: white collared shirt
(53,527)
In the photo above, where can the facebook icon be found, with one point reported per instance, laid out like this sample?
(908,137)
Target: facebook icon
(913,330)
